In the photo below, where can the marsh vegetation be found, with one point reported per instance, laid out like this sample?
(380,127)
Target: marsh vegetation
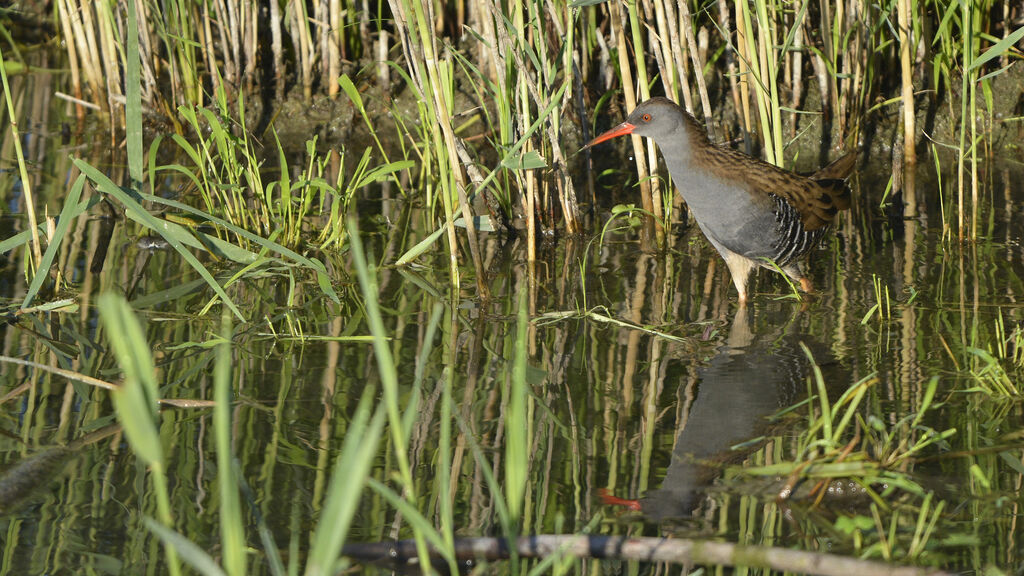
(280,277)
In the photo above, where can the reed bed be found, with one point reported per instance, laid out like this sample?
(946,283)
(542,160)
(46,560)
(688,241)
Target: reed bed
(503,88)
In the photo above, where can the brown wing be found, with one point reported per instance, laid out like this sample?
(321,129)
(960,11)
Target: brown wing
(827,192)
(817,199)
(839,169)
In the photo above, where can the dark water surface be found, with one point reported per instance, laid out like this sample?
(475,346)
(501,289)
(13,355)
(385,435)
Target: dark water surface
(670,415)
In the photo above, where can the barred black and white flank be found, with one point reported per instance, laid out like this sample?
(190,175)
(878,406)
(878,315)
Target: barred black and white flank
(793,240)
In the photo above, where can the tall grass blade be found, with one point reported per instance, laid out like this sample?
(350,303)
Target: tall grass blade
(190,552)
(67,213)
(135,400)
(388,373)
(344,493)
(232,527)
(998,49)
(26,183)
(819,383)
(133,98)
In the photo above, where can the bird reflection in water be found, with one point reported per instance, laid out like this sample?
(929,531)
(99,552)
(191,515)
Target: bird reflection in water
(751,377)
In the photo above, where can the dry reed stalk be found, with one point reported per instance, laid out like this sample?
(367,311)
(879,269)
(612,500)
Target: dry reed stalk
(974,162)
(821,74)
(208,50)
(421,51)
(244,53)
(488,51)
(565,188)
(321,24)
(615,12)
(236,31)
(1004,60)
(184,80)
(150,90)
(492,52)
(544,77)
(521,98)
(227,26)
(73,61)
(83,35)
(677,21)
(109,54)
(762,68)
(383,73)
(847,29)
(703,43)
(968,110)
(744,57)
(305,52)
(858,55)
(335,46)
(323,20)
(698,66)
(651,156)
(906,40)
(796,78)
(662,54)
(277,49)
(730,66)
(668,52)
(251,37)
(831,93)
(93,51)
(605,68)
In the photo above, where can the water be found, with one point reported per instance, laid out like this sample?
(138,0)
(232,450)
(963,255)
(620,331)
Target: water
(646,383)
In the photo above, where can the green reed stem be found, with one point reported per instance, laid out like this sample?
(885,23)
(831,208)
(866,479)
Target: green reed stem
(388,374)
(517,425)
(966,108)
(769,75)
(232,527)
(26,183)
(760,64)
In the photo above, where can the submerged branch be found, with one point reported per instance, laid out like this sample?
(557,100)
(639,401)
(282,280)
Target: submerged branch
(672,550)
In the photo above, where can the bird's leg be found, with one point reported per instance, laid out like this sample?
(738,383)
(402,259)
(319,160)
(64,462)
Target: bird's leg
(739,268)
(796,273)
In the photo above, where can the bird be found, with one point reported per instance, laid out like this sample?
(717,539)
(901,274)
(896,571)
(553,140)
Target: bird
(754,213)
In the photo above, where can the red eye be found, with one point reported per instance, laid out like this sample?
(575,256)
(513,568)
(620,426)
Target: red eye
(646,117)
